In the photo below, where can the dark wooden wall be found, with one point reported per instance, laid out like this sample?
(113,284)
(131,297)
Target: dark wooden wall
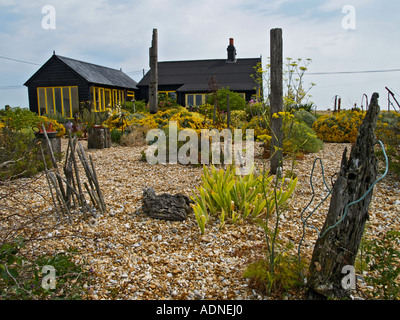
(55,74)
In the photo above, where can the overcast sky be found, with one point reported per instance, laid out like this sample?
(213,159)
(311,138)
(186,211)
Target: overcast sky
(364,36)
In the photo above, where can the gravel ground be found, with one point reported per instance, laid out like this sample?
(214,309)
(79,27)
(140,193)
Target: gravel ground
(135,257)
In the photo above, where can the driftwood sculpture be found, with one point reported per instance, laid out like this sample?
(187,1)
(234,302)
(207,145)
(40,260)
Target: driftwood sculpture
(166,206)
(341,235)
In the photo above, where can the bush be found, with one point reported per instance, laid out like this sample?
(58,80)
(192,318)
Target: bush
(339,127)
(236,101)
(57,116)
(254,109)
(388,131)
(116,135)
(343,127)
(18,118)
(20,154)
(300,137)
(134,136)
(383,259)
(297,135)
(284,276)
(230,197)
(21,279)
(306,117)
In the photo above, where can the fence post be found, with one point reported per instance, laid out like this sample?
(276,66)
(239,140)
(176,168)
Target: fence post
(276,48)
(340,237)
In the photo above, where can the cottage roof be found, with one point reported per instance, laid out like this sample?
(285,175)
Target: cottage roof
(195,75)
(95,74)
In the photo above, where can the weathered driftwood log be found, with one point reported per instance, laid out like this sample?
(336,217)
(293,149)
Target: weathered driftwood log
(166,206)
(341,235)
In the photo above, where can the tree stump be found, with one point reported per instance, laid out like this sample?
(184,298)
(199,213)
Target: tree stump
(166,206)
(54,141)
(99,138)
(338,244)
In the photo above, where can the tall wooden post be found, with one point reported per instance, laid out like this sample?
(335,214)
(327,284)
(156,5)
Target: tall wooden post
(341,234)
(153,86)
(276,52)
(228,112)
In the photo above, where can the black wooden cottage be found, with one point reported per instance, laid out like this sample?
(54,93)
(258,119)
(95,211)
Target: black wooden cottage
(188,82)
(61,84)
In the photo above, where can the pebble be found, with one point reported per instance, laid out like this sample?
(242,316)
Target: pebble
(165,260)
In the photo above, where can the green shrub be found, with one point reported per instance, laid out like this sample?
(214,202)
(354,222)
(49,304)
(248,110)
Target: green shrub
(230,197)
(18,118)
(300,137)
(255,109)
(388,131)
(21,279)
(285,275)
(236,101)
(306,117)
(20,154)
(238,118)
(57,116)
(382,256)
(116,135)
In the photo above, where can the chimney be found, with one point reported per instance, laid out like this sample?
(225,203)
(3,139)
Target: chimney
(231,51)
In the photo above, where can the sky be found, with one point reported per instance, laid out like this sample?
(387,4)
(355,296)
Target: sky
(338,36)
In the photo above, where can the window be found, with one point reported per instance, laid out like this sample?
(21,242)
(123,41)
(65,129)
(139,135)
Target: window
(42,105)
(169,94)
(130,95)
(49,101)
(190,100)
(57,100)
(63,100)
(74,100)
(197,99)
(106,98)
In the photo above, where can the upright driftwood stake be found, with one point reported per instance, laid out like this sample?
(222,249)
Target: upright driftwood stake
(341,235)
(153,86)
(276,100)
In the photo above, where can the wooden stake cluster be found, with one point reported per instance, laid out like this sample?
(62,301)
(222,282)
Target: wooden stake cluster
(67,192)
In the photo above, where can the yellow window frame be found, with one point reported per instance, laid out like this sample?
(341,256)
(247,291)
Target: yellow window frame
(167,93)
(130,94)
(203,98)
(54,98)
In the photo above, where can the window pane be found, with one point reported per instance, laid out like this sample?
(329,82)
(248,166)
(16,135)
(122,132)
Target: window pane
(199,99)
(74,100)
(93,94)
(172,95)
(42,101)
(50,104)
(66,103)
(100,98)
(57,98)
(190,100)
(103,102)
(115,97)
(107,99)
